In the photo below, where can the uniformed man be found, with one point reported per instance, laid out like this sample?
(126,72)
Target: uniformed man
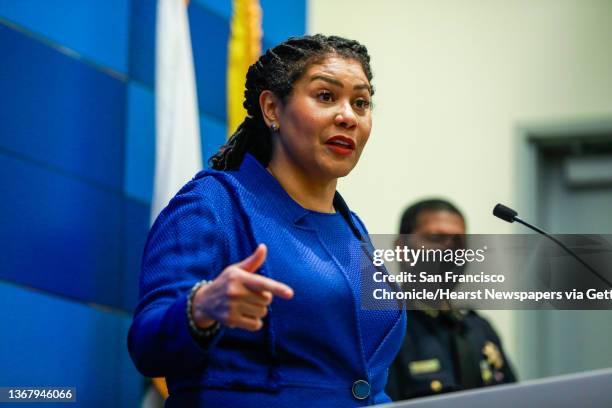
(444,350)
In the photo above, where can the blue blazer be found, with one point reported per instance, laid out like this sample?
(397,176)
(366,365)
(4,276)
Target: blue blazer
(310,351)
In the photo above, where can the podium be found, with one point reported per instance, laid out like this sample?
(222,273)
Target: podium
(587,389)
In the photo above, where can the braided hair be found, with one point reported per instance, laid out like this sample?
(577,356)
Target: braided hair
(276,71)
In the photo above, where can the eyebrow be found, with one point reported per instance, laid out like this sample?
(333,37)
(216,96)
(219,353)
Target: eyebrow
(338,83)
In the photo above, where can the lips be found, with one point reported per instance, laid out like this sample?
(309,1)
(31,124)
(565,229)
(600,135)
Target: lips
(341,144)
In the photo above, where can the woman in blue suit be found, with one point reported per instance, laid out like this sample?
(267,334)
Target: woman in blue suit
(250,284)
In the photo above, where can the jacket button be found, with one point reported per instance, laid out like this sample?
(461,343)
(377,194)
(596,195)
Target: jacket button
(361,389)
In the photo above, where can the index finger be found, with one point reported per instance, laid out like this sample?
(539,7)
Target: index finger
(260,283)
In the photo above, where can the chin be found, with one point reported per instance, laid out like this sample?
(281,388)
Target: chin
(338,170)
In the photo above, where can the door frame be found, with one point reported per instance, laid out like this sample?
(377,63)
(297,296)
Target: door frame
(529,136)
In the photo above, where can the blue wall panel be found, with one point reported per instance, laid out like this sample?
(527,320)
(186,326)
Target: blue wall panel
(130,381)
(59,111)
(95,29)
(222,8)
(140,143)
(59,233)
(142,41)
(214,134)
(209,36)
(282,19)
(48,341)
(136,228)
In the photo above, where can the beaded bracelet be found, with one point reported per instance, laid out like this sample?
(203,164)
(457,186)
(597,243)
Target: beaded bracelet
(199,333)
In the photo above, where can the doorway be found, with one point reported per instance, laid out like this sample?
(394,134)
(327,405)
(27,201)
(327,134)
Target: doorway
(565,187)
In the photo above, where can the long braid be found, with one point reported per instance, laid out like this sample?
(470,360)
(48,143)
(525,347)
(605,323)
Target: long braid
(276,71)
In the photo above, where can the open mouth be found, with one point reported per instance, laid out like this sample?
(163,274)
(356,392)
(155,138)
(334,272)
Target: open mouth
(341,145)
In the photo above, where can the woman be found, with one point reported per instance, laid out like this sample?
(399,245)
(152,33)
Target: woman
(250,277)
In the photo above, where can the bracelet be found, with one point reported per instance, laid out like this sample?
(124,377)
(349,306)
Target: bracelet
(197,332)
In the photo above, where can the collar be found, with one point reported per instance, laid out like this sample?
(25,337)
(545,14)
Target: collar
(268,190)
(455,314)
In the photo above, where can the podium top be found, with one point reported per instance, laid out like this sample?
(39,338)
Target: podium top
(590,388)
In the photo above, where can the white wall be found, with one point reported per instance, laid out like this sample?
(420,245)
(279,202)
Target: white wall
(453,80)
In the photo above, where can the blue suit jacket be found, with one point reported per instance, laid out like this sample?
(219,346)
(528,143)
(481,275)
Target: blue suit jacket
(310,351)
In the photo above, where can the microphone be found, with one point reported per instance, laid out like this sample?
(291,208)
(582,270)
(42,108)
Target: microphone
(509,215)
(505,213)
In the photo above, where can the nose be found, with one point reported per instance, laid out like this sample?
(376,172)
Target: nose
(345,117)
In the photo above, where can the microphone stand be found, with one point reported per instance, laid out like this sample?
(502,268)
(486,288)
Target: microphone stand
(562,245)
(509,215)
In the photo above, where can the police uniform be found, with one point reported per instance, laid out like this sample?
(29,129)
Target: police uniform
(446,351)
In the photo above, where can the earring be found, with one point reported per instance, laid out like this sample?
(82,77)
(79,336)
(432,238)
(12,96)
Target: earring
(274,127)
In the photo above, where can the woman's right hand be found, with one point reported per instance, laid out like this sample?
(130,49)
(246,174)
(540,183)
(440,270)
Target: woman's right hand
(238,297)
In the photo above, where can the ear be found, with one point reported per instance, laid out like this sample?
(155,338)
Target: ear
(270,105)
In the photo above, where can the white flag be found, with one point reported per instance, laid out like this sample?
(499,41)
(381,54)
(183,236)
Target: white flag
(178,156)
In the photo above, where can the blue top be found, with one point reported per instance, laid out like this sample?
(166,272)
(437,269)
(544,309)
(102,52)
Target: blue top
(317,349)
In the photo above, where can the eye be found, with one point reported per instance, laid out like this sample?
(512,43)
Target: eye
(325,96)
(362,104)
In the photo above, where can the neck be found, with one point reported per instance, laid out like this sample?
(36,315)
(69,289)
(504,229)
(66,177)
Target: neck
(315,195)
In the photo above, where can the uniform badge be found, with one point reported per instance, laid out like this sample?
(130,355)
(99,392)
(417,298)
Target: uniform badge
(485,372)
(424,366)
(493,355)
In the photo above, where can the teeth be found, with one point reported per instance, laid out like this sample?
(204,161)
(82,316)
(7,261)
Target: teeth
(342,143)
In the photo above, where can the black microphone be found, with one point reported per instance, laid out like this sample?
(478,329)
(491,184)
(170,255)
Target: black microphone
(505,213)
(509,215)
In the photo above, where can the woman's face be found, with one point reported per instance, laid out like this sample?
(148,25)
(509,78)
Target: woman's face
(326,120)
